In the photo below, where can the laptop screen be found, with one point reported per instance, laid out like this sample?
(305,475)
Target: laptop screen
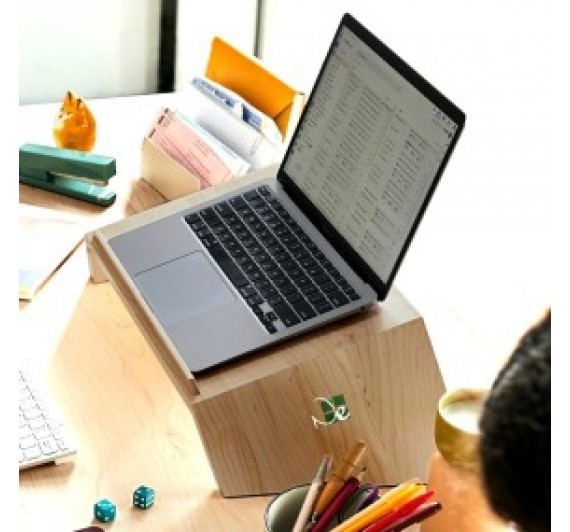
(370,146)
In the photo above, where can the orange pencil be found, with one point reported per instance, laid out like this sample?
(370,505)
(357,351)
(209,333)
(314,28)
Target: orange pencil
(383,505)
(350,486)
(394,502)
(403,510)
(344,469)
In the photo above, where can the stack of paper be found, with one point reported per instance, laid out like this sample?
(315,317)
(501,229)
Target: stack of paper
(238,117)
(241,127)
(195,149)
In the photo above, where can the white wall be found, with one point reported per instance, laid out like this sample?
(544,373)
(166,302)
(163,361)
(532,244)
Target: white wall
(101,48)
(233,20)
(96,48)
(484,248)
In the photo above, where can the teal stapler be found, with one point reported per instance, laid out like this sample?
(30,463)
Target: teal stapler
(73,173)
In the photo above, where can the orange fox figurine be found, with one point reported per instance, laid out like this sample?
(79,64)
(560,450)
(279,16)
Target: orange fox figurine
(74,127)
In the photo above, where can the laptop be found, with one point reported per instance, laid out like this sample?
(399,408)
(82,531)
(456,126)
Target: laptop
(320,240)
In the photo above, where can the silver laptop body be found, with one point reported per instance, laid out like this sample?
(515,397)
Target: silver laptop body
(364,161)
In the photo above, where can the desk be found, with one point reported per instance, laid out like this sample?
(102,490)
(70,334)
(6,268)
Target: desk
(131,426)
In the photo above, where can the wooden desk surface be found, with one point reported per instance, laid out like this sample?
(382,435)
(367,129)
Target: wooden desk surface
(131,426)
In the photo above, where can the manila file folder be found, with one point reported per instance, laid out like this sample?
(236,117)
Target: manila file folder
(246,76)
(165,174)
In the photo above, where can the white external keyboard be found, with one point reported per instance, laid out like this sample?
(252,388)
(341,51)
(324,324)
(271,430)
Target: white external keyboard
(43,435)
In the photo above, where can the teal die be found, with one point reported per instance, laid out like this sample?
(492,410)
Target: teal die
(143,497)
(105,510)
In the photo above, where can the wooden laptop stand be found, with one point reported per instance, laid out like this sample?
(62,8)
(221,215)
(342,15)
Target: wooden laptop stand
(267,419)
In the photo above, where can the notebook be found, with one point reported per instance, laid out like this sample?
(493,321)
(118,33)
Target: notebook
(323,238)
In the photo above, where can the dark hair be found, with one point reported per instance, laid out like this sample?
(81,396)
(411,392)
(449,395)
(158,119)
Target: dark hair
(515,434)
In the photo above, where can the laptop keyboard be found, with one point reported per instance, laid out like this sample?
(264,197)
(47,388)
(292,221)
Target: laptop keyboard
(271,261)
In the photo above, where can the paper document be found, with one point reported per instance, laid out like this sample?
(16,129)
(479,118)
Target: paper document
(46,238)
(236,164)
(221,121)
(240,107)
(173,135)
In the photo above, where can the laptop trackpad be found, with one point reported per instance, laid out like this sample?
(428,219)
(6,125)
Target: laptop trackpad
(182,288)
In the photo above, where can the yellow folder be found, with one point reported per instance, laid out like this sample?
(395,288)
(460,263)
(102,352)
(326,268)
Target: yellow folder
(246,76)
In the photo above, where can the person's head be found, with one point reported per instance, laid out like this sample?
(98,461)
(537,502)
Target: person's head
(515,434)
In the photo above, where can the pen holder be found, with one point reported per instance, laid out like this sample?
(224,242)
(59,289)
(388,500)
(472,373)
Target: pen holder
(281,513)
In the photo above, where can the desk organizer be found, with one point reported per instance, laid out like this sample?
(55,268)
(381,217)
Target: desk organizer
(248,78)
(268,418)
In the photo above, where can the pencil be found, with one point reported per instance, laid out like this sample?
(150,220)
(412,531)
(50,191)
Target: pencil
(339,475)
(350,486)
(312,494)
(388,506)
(378,508)
(417,516)
(404,510)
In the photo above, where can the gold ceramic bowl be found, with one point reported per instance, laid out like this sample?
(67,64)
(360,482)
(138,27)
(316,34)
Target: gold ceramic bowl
(457,427)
